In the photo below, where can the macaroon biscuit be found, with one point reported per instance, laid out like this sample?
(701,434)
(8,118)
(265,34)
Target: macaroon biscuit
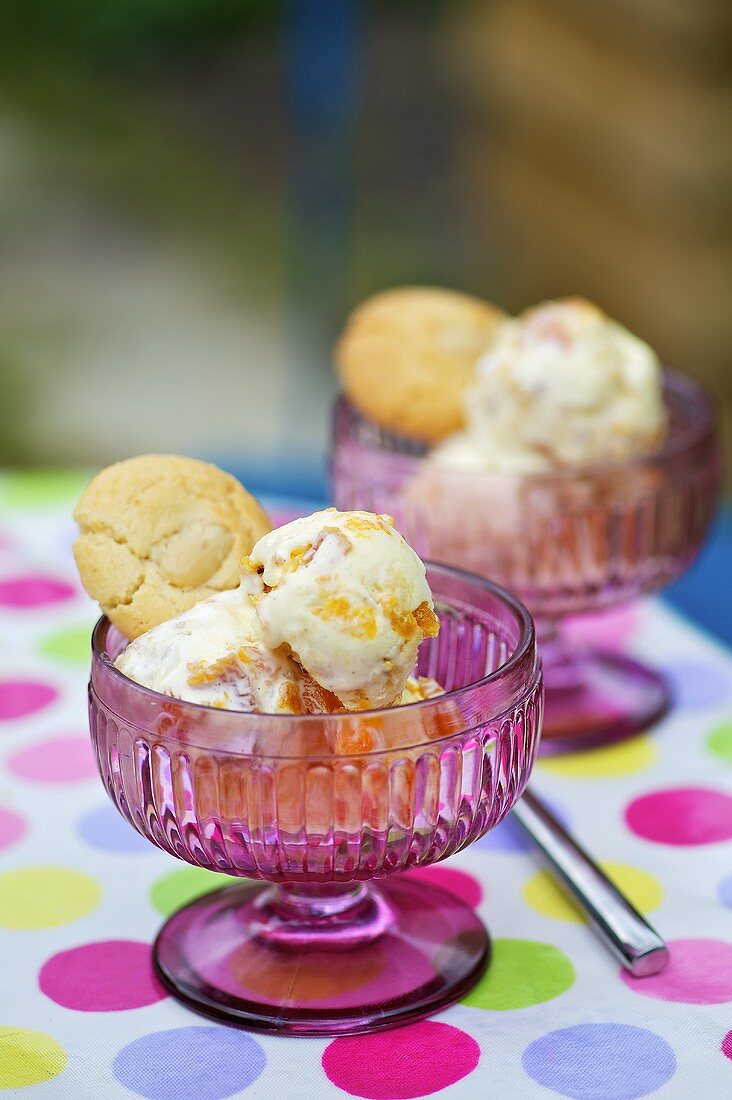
(159,533)
(407,355)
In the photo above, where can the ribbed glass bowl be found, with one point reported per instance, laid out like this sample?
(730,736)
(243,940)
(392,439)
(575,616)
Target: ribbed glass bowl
(265,797)
(567,542)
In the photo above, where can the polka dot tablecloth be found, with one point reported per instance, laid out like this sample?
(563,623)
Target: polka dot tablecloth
(82,895)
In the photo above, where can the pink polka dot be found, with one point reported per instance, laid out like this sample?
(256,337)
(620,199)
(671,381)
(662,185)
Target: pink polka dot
(727,1045)
(12,828)
(21,697)
(611,629)
(34,591)
(681,816)
(462,885)
(108,976)
(699,972)
(60,760)
(283,513)
(399,1065)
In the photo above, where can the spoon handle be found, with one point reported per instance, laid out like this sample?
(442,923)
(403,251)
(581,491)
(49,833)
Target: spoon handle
(629,937)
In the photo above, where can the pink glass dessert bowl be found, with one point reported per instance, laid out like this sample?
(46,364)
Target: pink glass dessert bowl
(567,542)
(335,939)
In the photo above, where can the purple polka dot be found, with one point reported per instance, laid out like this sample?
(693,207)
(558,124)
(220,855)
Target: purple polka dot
(506,837)
(66,535)
(190,1063)
(724,891)
(695,684)
(58,760)
(682,816)
(19,698)
(105,828)
(699,972)
(600,1061)
(34,591)
(12,828)
(510,837)
(109,976)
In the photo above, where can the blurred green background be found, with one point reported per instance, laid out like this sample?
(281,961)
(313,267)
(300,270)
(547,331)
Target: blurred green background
(193,194)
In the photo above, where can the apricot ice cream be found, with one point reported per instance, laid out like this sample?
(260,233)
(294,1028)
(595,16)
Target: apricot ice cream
(329,616)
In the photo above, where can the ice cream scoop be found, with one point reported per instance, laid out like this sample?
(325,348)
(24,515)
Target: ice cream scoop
(215,655)
(562,386)
(348,599)
(328,616)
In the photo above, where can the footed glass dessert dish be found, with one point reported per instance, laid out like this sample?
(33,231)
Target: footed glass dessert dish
(323,935)
(568,542)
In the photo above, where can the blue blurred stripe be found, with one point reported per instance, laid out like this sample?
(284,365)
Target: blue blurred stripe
(704,594)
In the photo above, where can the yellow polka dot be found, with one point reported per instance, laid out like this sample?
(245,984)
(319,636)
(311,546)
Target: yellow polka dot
(42,897)
(624,758)
(544,895)
(28,1057)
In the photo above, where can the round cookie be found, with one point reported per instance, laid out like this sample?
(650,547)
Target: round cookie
(406,356)
(159,533)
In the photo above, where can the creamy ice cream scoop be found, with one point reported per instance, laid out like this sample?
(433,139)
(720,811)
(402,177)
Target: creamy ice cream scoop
(214,654)
(561,386)
(348,598)
(329,616)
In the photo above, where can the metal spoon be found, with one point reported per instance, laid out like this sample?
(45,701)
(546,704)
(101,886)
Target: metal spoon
(629,937)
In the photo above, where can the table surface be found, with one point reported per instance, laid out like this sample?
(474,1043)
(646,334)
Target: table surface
(82,895)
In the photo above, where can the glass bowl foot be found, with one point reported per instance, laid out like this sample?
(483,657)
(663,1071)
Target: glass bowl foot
(594,698)
(321,959)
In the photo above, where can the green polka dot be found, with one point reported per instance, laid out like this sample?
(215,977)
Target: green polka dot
(521,973)
(35,488)
(179,887)
(72,644)
(719,741)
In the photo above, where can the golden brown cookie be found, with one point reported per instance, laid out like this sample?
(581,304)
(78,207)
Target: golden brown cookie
(406,356)
(159,533)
